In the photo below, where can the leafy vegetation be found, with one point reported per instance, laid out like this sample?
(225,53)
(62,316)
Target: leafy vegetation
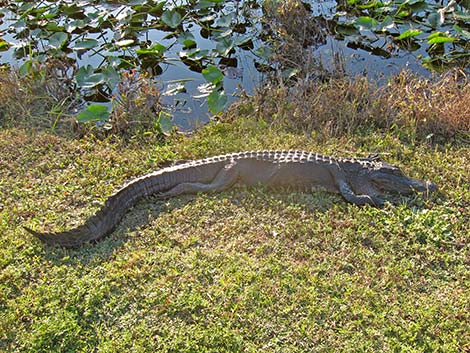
(441,28)
(99,40)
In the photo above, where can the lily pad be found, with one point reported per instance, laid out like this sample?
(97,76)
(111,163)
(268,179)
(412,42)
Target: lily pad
(366,22)
(410,33)
(165,125)
(171,18)
(58,39)
(86,44)
(217,101)
(86,78)
(156,49)
(187,39)
(213,74)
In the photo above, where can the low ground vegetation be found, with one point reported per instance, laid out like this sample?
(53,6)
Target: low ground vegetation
(246,270)
(249,269)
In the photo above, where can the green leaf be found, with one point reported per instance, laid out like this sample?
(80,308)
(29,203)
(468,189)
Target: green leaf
(224,47)
(54,27)
(465,34)
(213,74)
(195,54)
(87,78)
(346,30)
(187,39)
(204,4)
(164,123)
(264,52)
(111,77)
(440,39)
(94,112)
(171,18)
(369,5)
(435,20)
(73,25)
(156,49)
(365,22)
(224,21)
(216,101)
(387,23)
(58,39)
(26,68)
(4,45)
(410,33)
(87,43)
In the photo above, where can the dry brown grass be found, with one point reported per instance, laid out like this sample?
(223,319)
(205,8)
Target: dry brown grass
(422,107)
(440,106)
(44,98)
(47,98)
(326,100)
(434,108)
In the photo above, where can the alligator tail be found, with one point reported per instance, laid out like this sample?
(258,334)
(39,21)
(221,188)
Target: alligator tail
(107,218)
(69,239)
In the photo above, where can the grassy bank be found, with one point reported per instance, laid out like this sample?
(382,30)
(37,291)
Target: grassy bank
(246,270)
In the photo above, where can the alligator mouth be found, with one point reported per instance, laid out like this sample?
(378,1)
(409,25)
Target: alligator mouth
(404,185)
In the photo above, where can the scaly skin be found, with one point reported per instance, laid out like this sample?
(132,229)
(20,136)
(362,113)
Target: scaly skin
(359,181)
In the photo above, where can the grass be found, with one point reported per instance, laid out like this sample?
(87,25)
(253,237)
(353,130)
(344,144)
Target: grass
(245,270)
(435,109)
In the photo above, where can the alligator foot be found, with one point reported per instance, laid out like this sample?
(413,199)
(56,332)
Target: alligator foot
(359,200)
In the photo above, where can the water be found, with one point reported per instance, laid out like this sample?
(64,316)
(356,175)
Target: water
(367,51)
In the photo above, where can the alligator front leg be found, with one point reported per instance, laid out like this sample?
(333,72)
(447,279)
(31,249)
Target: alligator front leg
(359,200)
(224,179)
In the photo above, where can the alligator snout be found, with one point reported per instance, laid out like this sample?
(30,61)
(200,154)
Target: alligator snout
(422,185)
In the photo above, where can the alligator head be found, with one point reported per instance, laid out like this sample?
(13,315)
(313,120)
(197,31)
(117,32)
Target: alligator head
(374,177)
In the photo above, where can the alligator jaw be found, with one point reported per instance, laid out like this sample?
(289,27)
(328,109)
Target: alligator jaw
(403,184)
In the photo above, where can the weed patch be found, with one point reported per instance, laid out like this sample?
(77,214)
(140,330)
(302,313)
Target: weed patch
(435,109)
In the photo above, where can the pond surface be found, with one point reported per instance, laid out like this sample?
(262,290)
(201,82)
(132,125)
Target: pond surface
(203,53)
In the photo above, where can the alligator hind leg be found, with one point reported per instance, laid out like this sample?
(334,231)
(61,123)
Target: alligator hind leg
(224,179)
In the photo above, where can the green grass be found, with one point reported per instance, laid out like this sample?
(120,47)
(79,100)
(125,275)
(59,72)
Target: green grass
(245,270)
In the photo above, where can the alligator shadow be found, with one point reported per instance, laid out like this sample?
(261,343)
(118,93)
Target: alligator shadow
(143,215)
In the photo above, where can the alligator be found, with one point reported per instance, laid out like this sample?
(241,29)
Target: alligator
(361,181)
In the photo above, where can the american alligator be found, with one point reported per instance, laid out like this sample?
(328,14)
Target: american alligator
(360,181)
